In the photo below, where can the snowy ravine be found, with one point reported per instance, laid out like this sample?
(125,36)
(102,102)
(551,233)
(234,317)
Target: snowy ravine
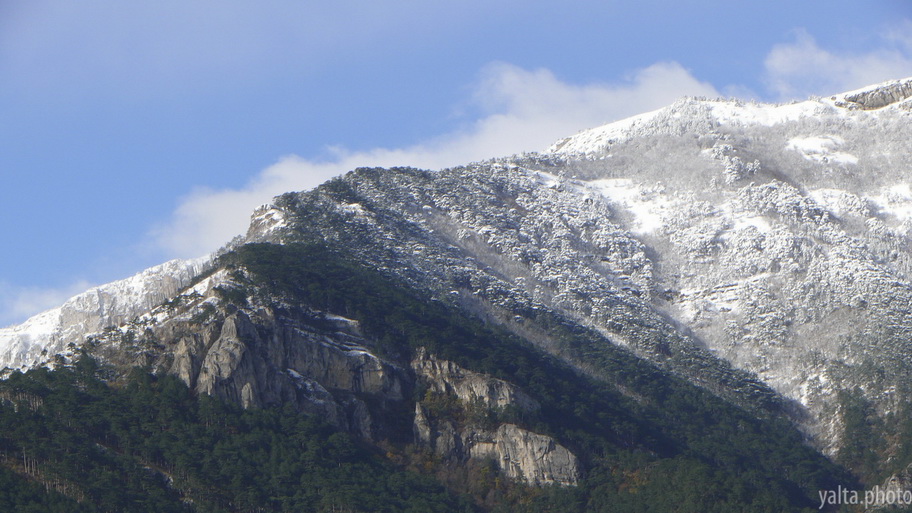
(746,247)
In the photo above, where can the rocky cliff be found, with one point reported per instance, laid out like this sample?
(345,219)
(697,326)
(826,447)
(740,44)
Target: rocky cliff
(260,355)
(523,455)
(269,354)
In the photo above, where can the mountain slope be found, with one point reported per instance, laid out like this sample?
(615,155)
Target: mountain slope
(304,326)
(704,233)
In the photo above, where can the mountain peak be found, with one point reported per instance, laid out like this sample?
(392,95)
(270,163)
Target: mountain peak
(682,115)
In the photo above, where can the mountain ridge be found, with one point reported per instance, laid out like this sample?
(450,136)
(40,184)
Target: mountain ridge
(893,94)
(758,253)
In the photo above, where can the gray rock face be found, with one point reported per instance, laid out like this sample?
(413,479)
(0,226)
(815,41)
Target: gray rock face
(277,359)
(445,377)
(262,356)
(878,98)
(894,492)
(526,456)
(521,454)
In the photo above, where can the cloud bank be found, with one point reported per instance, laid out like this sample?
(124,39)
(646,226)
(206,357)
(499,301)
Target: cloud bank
(19,303)
(802,68)
(522,110)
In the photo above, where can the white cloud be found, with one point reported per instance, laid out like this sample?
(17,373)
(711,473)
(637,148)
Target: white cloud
(802,68)
(522,111)
(19,303)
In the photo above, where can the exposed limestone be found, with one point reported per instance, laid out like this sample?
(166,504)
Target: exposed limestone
(264,355)
(260,356)
(445,377)
(279,359)
(521,454)
(880,97)
(442,438)
(527,456)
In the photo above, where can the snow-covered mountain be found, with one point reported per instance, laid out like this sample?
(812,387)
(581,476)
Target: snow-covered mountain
(62,329)
(773,237)
(759,251)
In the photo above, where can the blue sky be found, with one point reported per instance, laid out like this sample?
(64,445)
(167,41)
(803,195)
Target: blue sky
(132,133)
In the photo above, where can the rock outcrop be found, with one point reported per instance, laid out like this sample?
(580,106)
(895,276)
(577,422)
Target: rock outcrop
(263,355)
(266,353)
(445,377)
(526,456)
(278,358)
(896,491)
(881,96)
(519,453)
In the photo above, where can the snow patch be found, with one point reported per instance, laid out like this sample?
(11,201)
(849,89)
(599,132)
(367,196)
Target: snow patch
(339,318)
(839,202)
(268,218)
(761,223)
(895,201)
(738,113)
(546,179)
(353,208)
(37,339)
(648,205)
(822,149)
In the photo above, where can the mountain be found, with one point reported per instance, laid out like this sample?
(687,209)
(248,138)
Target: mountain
(698,299)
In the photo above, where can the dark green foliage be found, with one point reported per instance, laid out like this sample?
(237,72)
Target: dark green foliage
(645,437)
(233,295)
(20,494)
(863,445)
(150,445)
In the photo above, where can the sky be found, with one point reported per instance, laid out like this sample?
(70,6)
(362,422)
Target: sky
(132,133)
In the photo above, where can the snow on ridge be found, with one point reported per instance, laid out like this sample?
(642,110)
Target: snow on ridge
(737,112)
(37,339)
(765,114)
(266,218)
(718,111)
(875,87)
(877,96)
(595,139)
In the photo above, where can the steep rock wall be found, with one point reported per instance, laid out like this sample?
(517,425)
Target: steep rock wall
(521,454)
